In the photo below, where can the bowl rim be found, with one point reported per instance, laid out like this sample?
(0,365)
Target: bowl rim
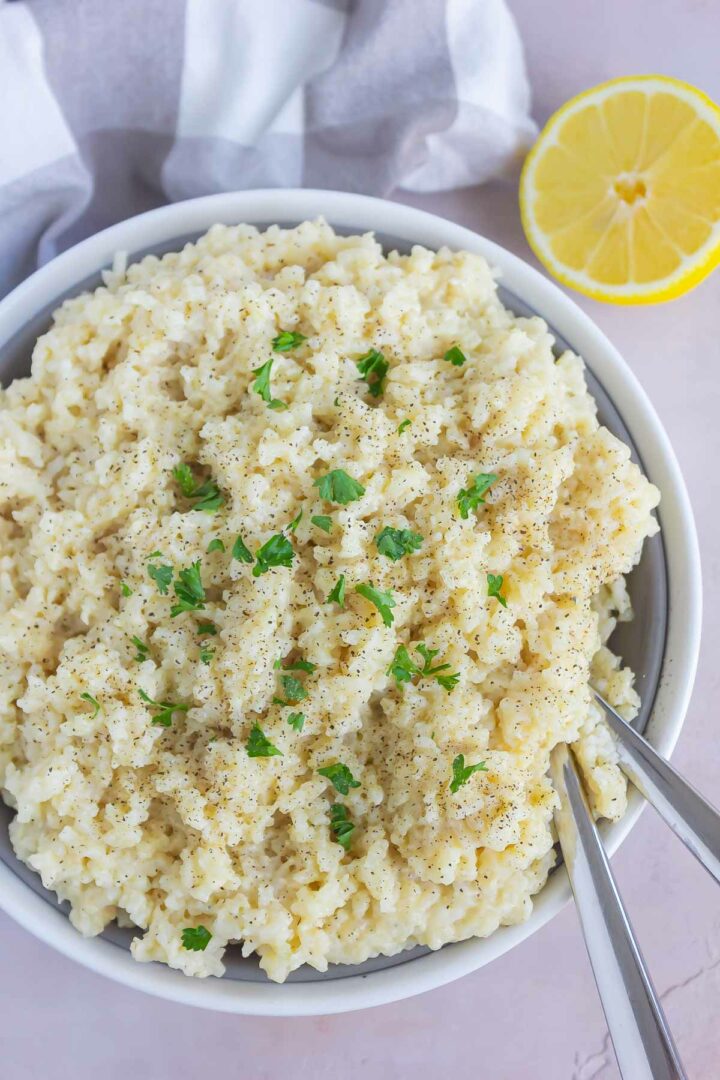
(365,213)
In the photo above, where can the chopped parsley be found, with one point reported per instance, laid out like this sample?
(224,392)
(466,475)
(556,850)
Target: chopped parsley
(341,825)
(296,720)
(206,654)
(455,356)
(196,938)
(373,368)
(206,496)
(323,522)
(340,776)
(155,555)
(215,545)
(207,628)
(240,552)
(189,591)
(162,576)
(258,745)
(403,668)
(142,649)
(397,542)
(277,551)
(337,593)
(470,498)
(338,487)
(261,385)
(287,340)
(125,589)
(293,689)
(295,522)
(163,717)
(495,584)
(463,772)
(296,665)
(383,601)
(403,425)
(93,701)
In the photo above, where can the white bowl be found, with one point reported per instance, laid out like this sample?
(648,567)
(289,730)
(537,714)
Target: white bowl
(26,309)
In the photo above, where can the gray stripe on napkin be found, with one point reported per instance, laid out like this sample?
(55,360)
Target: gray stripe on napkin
(204,165)
(364,134)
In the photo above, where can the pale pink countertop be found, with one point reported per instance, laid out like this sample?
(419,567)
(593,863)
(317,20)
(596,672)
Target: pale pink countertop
(534,1014)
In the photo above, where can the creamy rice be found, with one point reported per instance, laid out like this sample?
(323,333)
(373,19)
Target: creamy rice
(174,827)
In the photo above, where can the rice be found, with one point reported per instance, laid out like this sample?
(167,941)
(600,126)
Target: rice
(172,826)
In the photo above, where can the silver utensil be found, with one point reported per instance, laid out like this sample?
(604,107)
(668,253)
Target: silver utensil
(643,1043)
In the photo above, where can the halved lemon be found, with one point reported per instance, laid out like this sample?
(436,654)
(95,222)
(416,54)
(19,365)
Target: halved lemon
(620,196)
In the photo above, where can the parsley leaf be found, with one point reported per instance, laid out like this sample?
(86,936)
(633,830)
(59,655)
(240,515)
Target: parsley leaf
(373,368)
(403,668)
(261,385)
(125,589)
(337,593)
(277,551)
(341,825)
(340,776)
(463,772)
(155,555)
(258,745)
(162,576)
(383,601)
(206,654)
(92,700)
(207,628)
(295,522)
(297,665)
(338,487)
(323,522)
(142,649)
(240,552)
(163,717)
(294,691)
(196,938)
(403,425)
(215,545)
(296,720)
(495,584)
(455,356)
(470,498)
(397,542)
(189,591)
(287,340)
(207,496)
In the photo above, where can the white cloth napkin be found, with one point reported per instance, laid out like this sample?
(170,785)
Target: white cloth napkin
(108,109)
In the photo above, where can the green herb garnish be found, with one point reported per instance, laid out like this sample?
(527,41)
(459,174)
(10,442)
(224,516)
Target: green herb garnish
(207,496)
(341,825)
(403,425)
(196,938)
(394,543)
(261,385)
(463,772)
(403,668)
(340,776)
(337,593)
(125,589)
(207,628)
(338,487)
(215,545)
(142,649)
(287,340)
(240,552)
(189,591)
(258,745)
(295,522)
(373,368)
(162,576)
(294,691)
(455,356)
(206,654)
(323,522)
(296,720)
(383,601)
(93,701)
(163,718)
(495,584)
(277,551)
(470,498)
(296,665)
